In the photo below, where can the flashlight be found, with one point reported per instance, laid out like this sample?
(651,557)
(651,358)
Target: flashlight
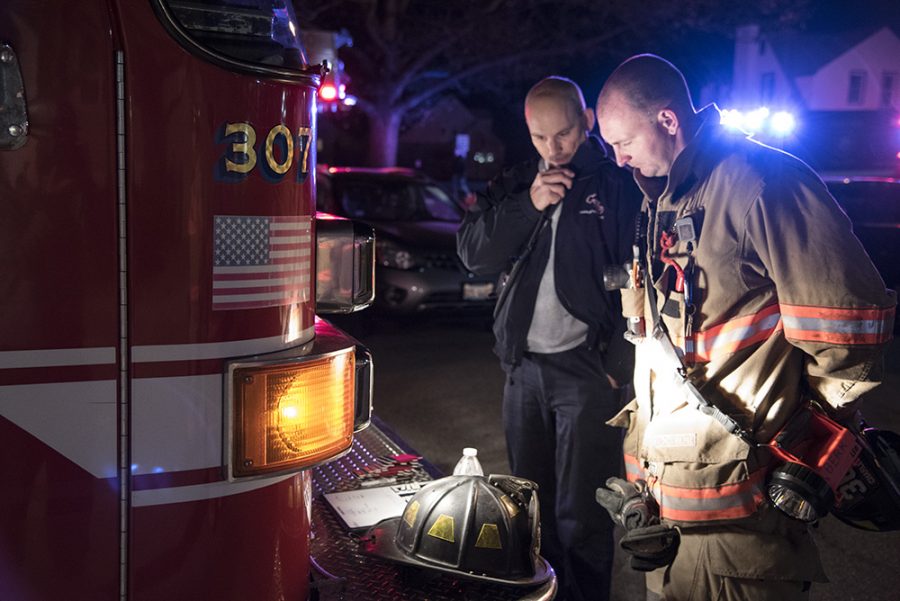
(817,453)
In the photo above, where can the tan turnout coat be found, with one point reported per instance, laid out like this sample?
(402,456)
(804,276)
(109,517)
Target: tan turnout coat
(788,307)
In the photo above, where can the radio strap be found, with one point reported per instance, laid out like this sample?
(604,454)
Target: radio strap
(660,334)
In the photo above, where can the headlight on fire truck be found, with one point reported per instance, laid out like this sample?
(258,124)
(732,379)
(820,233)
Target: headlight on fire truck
(294,415)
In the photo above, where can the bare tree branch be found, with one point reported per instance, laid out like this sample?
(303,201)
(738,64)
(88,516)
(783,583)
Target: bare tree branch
(373,29)
(406,53)
(419,63)
(502,61)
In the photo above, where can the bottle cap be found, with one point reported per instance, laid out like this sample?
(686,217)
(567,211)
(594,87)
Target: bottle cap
(470,452)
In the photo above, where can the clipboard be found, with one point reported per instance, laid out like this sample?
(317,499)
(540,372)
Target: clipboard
(362,508)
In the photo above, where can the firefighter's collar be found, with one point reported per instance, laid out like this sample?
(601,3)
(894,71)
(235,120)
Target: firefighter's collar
(691,165)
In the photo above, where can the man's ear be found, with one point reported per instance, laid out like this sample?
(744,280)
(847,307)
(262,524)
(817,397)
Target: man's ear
(668,120)
(589,119)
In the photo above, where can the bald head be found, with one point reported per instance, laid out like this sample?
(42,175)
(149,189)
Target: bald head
(557,119)
(646,114)
(556,88)
(648,83)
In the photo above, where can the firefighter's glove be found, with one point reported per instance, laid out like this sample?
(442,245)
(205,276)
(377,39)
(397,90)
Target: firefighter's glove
(629,504)
(651,547)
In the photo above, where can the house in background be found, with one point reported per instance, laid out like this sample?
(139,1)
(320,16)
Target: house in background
(848,71)
(844,89)
(431,143)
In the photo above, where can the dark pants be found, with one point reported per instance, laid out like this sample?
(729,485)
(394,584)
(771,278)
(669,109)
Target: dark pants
(554,411)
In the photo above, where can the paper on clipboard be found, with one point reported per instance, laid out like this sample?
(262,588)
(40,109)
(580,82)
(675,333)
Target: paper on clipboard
(366,507)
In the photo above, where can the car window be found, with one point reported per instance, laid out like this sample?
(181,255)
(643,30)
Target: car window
(381,199)
(874,210)
(869,202)
(438,205)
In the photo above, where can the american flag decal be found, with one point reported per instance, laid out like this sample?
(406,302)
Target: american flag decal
(261,261)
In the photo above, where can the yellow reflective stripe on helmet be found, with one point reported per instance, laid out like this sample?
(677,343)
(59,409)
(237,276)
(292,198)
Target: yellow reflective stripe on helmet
(489,537)
(443,528)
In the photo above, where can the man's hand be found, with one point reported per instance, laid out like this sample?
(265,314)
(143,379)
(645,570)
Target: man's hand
(651,547)
(650,544)
(549,187)
(628,503)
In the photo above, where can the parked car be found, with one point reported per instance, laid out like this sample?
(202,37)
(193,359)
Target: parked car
(415,223)
(873,205)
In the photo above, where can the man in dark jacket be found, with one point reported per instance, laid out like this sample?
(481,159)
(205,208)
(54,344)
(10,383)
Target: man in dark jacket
(554,223)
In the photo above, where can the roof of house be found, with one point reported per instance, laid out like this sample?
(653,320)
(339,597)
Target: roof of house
(804,53)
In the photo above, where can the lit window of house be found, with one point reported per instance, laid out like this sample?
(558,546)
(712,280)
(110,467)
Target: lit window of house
(856,90)
(888,82)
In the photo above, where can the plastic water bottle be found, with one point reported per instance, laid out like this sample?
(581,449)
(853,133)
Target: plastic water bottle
(468,464)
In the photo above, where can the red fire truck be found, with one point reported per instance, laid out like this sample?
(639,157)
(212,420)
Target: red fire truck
(171,407)
(164,379)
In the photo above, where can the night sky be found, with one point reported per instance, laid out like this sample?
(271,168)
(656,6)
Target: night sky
(701,57)
(836,15)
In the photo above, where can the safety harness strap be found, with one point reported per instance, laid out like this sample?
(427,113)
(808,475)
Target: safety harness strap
(660,334)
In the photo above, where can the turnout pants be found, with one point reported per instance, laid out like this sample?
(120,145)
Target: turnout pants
(554,411)
(768,557)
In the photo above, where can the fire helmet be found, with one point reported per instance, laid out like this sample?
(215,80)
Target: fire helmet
(870,492)
(474,527)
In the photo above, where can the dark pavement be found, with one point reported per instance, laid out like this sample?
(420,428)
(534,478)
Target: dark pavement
(439,387)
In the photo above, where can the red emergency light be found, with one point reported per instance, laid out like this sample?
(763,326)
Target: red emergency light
(328,92)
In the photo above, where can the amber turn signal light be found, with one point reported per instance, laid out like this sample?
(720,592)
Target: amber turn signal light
(292,416)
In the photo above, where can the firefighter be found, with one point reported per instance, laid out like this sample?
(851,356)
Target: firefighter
(554,223)
(753,278)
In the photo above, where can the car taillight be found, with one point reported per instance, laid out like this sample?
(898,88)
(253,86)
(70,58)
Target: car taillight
(291,416)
